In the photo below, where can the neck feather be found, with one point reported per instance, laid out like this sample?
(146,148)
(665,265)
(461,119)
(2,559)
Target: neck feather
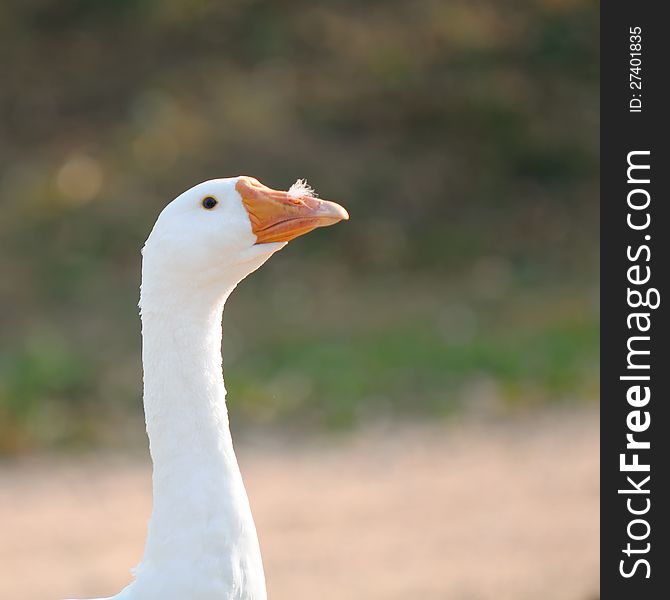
(201,538)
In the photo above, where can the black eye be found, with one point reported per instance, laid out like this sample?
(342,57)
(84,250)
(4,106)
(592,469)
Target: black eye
(209,203)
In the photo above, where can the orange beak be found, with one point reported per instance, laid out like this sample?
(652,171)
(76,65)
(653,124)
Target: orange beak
(277,217)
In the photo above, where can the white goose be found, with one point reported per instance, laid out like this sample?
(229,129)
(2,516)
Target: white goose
(201,542)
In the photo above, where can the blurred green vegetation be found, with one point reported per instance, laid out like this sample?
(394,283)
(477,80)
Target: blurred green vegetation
(461,135)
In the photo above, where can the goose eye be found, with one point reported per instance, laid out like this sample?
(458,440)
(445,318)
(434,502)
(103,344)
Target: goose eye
(209,203)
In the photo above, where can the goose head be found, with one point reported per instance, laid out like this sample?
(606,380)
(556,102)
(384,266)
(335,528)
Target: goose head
(219,231)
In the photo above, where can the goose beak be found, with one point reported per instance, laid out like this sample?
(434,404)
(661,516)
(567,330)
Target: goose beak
(277,216)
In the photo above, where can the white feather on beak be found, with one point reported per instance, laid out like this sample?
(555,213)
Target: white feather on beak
(301,188)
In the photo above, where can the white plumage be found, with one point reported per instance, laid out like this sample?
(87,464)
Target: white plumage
(201,541)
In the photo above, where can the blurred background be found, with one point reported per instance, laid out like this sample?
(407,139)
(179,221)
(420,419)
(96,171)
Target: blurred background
(455,314)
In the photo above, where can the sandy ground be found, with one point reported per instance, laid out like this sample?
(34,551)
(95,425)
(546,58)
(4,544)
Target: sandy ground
(465,512)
